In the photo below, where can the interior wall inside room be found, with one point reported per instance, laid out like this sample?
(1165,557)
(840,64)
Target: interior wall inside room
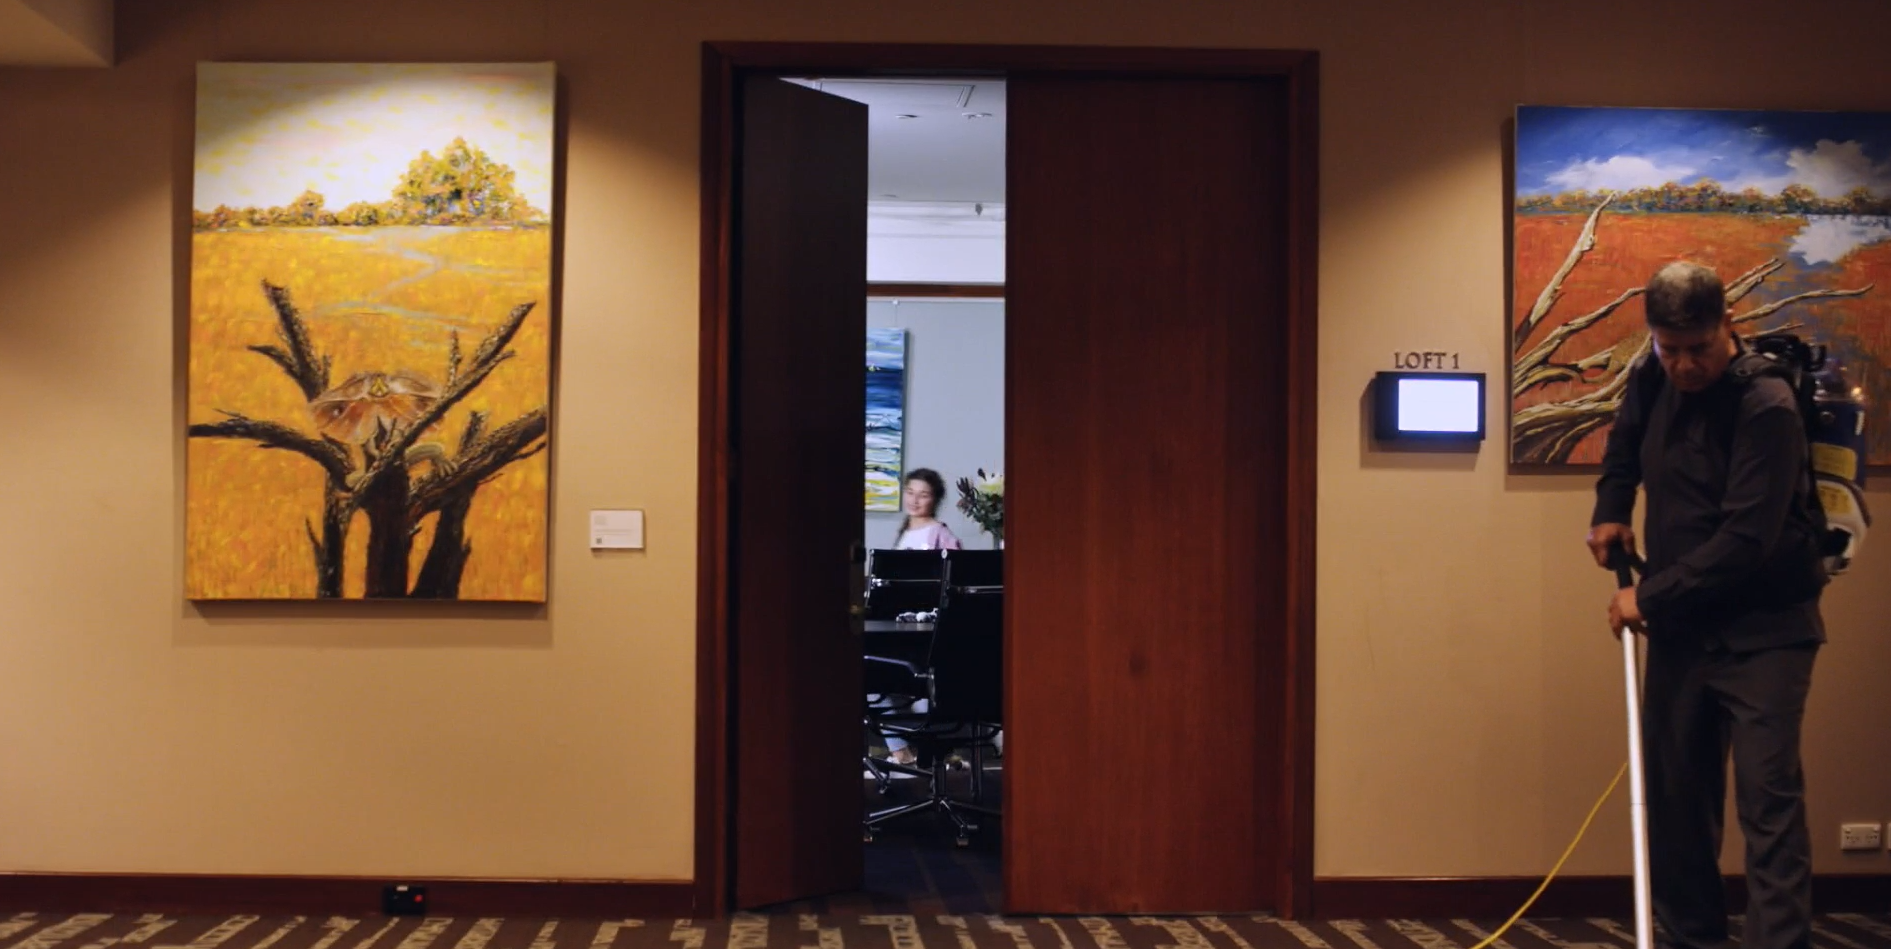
(955,401)
(1469,699)
(933,244)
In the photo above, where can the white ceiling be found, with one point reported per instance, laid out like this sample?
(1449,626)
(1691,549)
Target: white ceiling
(930,140)
(56,33)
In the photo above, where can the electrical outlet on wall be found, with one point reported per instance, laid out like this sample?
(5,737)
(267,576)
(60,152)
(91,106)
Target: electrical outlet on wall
(1861,837)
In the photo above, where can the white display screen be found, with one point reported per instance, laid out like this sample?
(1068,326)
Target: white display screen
(1438,405)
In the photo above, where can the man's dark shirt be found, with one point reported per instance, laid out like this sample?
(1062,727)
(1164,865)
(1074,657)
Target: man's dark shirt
(1732,557)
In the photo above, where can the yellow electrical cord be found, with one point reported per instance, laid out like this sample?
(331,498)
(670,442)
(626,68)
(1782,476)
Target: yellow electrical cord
(1493,937)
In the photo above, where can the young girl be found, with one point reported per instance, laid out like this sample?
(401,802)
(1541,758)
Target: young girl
(922,530)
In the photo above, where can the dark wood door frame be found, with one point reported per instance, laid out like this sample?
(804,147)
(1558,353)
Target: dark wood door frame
(943,291)
(723,66)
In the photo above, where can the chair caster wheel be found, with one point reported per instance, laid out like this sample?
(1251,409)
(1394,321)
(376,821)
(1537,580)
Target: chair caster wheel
(963,841)
(867,837)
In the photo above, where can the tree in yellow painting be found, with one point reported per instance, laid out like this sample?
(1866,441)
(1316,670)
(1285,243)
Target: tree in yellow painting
(369,404)
(460,186)
(367,442)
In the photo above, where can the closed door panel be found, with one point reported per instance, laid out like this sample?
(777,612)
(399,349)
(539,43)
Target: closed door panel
(1146,424)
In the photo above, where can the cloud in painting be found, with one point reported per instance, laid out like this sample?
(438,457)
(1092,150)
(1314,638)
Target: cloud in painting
(1834,168)
(1617,173)
(1567,149)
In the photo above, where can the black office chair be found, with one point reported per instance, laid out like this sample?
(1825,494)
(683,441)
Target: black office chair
(900,682)
(900,583)
(974,569)
(903,581)
(895,564)
(964,679)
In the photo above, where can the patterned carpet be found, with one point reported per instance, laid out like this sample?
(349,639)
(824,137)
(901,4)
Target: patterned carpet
(922,893)
(809,931)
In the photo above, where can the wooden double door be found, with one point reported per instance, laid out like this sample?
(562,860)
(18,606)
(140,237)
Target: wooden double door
(1158,461)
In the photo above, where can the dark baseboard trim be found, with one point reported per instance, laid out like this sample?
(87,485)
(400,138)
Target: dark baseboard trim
(1498,897)
(207,894)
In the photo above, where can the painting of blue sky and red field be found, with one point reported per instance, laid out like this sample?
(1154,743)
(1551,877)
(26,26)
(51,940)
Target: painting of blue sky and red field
(1792,209)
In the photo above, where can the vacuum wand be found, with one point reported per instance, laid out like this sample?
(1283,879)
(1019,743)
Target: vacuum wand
(1625,563)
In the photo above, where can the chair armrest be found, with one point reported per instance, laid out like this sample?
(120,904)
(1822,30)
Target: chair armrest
(900,663)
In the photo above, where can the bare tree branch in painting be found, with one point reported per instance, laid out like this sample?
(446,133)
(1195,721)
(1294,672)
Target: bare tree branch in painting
(1548,432)
(1542,370)
(309,371)
(1553,291)
(384,490)
(299,360)
(449,491)
(381,483)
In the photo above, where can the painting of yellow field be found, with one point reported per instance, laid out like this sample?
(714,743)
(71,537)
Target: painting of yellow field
(370,335)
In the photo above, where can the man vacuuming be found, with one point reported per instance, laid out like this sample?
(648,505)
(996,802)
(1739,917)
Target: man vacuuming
(1729,602)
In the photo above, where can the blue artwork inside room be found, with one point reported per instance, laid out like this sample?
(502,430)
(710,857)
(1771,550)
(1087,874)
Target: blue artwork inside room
(886,416)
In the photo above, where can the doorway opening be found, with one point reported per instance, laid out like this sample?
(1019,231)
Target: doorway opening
(934,771)
(934,775)
(1157,384)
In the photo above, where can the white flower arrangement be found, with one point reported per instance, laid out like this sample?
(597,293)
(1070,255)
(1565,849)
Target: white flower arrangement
(983,501)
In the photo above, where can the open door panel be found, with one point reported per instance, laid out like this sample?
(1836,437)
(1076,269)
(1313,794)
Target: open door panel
(799,313)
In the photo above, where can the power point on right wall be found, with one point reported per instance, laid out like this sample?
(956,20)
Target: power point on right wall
(1861,837)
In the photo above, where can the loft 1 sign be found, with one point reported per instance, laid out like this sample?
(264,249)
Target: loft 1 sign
(1416,359)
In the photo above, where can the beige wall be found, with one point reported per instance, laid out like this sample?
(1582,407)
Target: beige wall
(1469,703)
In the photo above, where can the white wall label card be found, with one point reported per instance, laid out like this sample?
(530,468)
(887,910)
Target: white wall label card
(616,530)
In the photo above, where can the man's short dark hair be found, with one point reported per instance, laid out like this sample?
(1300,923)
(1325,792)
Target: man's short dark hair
(1684,297)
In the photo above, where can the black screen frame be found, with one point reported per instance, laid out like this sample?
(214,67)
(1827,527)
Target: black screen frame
(1385,409)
